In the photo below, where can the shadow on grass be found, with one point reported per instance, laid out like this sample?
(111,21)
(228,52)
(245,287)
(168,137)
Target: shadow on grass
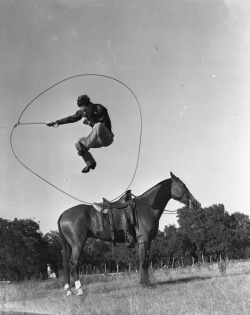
(183,280)
(18,313)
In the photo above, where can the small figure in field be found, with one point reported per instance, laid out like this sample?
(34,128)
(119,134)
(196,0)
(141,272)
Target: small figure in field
(96,116)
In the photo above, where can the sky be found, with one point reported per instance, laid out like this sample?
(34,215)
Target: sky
(186,61)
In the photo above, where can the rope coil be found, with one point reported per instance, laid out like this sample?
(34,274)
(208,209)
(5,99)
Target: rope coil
(43,123)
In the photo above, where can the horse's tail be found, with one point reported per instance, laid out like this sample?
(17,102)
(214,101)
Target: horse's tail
(66,249)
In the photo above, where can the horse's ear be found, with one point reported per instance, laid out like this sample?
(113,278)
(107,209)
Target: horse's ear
(173,176)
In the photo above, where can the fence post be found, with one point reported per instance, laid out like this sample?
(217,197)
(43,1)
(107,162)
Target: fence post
(173,263)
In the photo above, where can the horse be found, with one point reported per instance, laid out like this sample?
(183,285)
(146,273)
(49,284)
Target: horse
(83,221)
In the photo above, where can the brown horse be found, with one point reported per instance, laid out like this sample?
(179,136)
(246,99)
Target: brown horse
(82,221)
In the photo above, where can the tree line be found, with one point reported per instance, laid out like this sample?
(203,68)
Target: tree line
(25,252)
(203,234)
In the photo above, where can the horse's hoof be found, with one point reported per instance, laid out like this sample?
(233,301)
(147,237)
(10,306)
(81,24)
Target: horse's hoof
(69,292)
(79,292)
(66,287)
(147,285)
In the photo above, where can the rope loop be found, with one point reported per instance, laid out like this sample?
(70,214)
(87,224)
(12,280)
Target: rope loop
(43,123)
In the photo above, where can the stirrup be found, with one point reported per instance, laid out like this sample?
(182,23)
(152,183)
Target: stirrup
(130,242)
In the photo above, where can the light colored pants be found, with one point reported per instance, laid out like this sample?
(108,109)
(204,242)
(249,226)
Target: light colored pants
(99,137)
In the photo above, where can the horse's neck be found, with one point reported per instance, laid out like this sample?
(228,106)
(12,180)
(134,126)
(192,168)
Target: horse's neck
(158,196)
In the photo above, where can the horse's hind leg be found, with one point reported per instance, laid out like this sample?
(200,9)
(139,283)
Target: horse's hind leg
(67,256)
(76,251)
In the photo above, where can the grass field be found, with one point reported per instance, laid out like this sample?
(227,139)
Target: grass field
(204,289)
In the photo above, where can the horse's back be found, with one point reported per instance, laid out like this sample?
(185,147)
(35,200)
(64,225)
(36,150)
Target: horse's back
(74,222)
(75,213)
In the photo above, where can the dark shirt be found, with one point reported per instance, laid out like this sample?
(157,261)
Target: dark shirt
(98,114)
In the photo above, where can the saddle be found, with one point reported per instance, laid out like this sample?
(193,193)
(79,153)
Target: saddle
(125,203)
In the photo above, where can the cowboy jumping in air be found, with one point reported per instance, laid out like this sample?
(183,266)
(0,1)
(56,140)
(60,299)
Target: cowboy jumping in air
(96,116)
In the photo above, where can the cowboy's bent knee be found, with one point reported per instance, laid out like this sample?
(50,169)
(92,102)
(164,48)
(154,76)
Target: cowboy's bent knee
(78,144)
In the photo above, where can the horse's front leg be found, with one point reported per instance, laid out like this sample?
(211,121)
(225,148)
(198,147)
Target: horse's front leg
(144,249)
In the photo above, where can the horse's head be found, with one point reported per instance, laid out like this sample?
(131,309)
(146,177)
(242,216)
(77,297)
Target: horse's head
(180,192)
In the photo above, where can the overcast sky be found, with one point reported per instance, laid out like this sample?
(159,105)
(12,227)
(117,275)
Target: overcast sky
(187,62)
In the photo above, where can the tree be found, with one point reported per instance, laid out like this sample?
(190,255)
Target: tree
(20,247)
(208,232)
(242,235)
(53,251)
(187,220)
(158,254)
(220,231)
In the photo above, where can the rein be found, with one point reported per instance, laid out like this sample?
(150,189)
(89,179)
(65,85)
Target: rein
(165,211)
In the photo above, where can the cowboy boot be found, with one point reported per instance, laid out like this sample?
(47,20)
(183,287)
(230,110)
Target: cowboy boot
(81,148)
(88,158)
(87,168)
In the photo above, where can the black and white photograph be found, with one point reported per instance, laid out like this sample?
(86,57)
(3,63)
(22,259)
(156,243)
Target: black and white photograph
(125,157)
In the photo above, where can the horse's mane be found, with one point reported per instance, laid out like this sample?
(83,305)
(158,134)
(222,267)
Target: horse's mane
(163,182)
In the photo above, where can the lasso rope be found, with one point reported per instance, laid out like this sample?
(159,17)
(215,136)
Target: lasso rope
(43,123)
